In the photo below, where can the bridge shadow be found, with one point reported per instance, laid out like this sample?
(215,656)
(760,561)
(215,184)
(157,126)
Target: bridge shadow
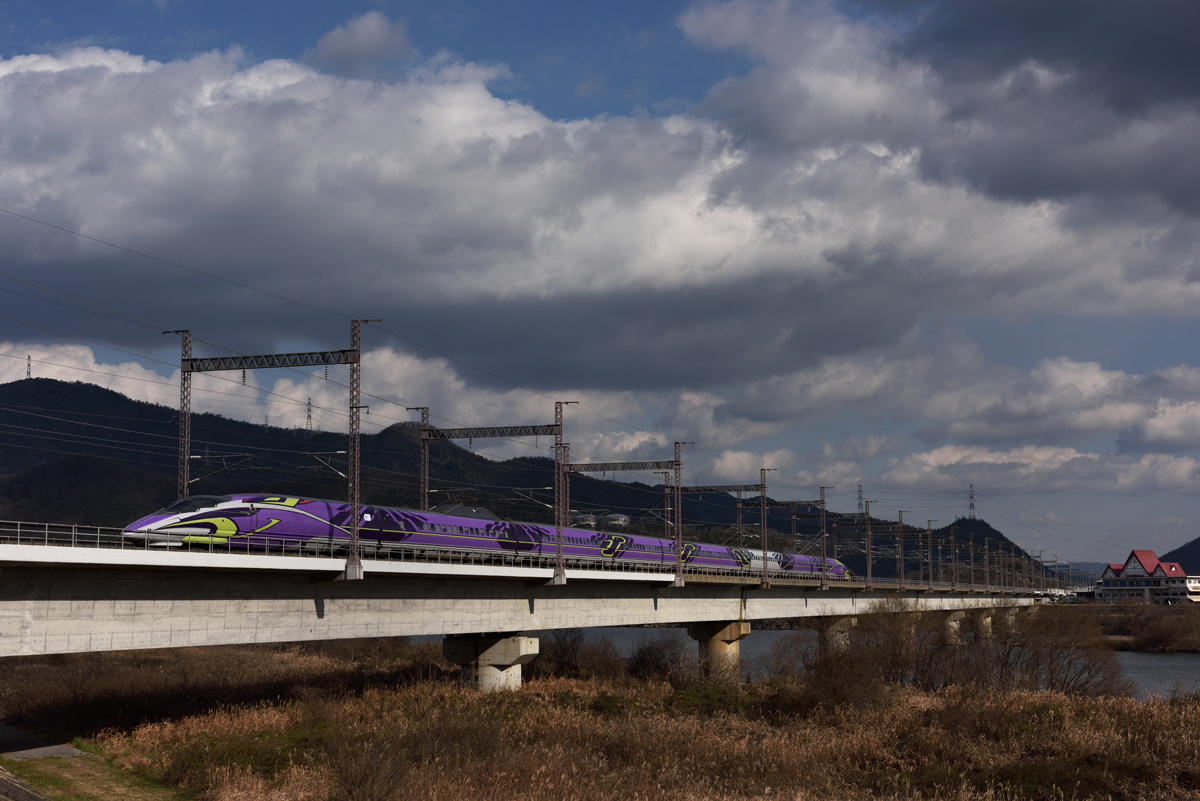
(80,695)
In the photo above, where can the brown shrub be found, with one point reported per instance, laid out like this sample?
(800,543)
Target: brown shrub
(561,738)
(663,655)
(599,658)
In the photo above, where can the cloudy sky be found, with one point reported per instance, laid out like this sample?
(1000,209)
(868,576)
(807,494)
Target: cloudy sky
(909,245)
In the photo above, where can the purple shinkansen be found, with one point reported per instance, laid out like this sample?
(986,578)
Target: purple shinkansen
(248,522)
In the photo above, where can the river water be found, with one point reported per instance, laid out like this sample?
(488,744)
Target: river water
(1151,673)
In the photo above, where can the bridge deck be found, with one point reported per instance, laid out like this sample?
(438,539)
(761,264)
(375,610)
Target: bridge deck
(82,591)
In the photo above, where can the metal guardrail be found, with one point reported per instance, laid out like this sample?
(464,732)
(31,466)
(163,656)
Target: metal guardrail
(63,535)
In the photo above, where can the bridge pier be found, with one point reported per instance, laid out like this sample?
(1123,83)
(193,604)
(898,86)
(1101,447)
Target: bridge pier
(833,634)
(720,647)
(490,663)
(983,625)
(951,628)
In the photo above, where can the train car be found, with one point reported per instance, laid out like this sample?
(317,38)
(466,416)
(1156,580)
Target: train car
(257,522)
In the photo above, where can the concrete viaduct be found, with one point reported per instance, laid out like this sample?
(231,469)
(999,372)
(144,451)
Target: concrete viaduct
(69,598)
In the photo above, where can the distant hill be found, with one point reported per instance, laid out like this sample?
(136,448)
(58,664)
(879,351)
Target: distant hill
(84,490)
(1187,555)
(78,453)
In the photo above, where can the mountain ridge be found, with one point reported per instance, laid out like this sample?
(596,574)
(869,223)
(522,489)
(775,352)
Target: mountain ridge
(79,453)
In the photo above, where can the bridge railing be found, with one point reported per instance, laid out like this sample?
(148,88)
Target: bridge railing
(77,536)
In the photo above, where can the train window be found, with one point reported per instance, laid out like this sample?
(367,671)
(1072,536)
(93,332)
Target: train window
(194,504)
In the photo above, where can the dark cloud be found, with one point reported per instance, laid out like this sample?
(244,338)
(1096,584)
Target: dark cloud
(1025,102)
(363,47)
(1134,55)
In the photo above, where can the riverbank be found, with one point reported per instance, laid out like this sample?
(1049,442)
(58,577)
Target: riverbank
(899,714)
(1145,627)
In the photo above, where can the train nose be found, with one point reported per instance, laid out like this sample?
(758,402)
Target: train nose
(146,527)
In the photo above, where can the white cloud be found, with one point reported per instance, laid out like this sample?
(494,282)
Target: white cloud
(1037,468)
(1059,399)
(1170,425)
(743,467)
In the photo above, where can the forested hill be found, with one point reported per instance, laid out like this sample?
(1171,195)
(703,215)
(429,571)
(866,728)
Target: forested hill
(78,453)
(1187,555)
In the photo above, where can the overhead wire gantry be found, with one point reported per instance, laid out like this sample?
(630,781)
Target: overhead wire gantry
(352,357)
(561,451)
(674,515)
(738,489)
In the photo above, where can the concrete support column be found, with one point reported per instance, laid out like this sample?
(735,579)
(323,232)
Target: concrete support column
(951,626)
(1009,616)
(983,625)
(720,647)
(490,663)
(833,634)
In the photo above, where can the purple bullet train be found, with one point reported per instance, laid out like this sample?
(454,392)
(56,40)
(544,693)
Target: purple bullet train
(273,522)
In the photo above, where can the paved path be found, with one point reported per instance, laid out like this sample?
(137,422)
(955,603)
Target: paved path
(19,744)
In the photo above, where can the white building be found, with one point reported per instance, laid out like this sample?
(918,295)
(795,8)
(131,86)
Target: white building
(1144,577)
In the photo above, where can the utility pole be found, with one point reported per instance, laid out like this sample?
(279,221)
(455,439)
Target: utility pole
(424,410)
(971,550)
(929,545)
(867,506)
(900,548)
(824,557)
(308,416)
(679,512)
(562,493)
(185,410)
(987,574)
(953,563)
(741,534)
(668,494)
(354,568)
(762,487)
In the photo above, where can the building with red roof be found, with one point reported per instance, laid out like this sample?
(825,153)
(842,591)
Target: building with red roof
(1143,577)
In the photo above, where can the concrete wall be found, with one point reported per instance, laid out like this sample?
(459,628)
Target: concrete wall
(47,608)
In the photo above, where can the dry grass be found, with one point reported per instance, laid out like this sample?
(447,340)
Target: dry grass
(594,739)
(1137,626)
(383,721)
(87,778)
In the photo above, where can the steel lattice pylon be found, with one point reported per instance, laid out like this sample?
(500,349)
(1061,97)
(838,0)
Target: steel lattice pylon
(352,357)
(354,558)
(762,489)
(185,411)
(672,494)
